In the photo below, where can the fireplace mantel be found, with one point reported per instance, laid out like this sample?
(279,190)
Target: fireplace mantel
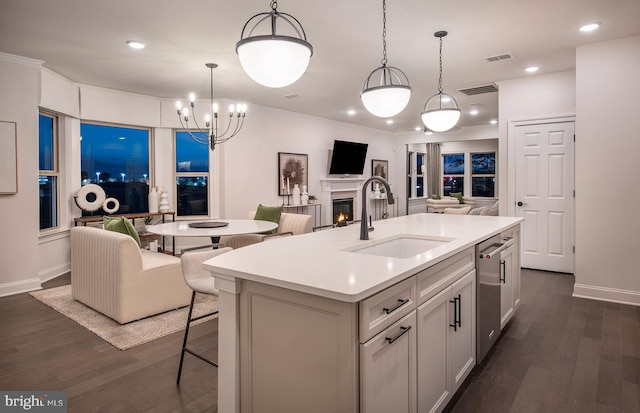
(333,187)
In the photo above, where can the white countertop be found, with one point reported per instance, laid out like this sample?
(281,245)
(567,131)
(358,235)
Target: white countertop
(319,263)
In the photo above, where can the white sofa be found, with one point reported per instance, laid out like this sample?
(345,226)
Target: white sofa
(112,275)
(439,205)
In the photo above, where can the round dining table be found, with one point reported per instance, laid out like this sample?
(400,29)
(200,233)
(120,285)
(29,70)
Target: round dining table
(213,228)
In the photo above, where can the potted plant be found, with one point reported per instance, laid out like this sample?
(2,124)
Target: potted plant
(148,221)
(312,199)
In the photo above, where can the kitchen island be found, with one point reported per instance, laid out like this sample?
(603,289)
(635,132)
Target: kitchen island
(326,322)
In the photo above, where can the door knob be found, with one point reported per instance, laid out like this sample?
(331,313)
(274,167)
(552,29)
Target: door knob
(520,203)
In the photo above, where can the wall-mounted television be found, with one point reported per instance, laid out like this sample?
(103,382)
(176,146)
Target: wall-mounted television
(347,158)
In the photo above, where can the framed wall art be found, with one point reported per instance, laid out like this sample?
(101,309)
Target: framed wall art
(292,169)
(379,168)
(8,158)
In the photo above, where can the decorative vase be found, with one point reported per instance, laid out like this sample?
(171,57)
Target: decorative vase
(376,192)
(296,194)
(304,197)
(164,201)
(153,200)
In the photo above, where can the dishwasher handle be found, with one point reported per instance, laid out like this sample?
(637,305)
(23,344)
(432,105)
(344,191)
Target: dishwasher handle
(494,249)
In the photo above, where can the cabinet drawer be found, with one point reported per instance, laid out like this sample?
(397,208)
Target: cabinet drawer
(434,279)
(385,308)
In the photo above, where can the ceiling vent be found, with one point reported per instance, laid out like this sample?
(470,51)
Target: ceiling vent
(478,90)
(496,58)
(291,96)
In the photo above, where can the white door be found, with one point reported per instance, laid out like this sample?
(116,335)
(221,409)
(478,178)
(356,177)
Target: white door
(544,182)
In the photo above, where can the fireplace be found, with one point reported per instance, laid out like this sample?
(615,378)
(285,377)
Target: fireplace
(342,211)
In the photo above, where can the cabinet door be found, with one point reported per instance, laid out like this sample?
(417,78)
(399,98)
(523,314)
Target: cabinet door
(462,344)
(507,286)
(433,332)
(388,369)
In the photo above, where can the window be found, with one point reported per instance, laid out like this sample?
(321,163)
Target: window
(192,174)
(415,177)
(117,159)
(483,174)
(48,166)
(453,173)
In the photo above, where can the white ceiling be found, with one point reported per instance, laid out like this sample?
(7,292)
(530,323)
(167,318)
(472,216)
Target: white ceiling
(84,40)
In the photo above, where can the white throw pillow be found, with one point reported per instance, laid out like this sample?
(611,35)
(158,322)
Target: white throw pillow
(478,211)
(457,211)
(493,209)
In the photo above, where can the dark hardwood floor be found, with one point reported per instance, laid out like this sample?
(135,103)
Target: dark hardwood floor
(559,354)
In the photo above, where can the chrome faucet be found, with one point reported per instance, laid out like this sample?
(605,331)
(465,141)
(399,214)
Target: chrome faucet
(364,227)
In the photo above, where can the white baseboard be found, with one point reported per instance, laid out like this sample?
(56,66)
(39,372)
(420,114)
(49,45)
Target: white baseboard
(51,273)
(22,286)
(613,295)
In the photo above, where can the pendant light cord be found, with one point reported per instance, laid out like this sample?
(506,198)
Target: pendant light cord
(384,33)
(440,79)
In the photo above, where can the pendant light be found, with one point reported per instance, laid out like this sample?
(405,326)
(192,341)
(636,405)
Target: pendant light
(386,92)
(439,118)
(272,59)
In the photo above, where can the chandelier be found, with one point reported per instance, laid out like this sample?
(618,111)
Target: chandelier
(440,119)
(210,135)
(272,59)
(386,92)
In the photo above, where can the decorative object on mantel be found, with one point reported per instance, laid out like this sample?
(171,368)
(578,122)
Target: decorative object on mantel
(386,92)
(8,158)
(164,200)
(304,196)
(441,119)
(153,200)
(292,171)
(122,336)
(272,59)
(211,135)
(91,197)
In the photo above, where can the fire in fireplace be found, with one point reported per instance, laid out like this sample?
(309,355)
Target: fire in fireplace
(342,211)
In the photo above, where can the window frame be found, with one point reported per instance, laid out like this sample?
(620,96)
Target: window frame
(177,175)
(483,175)
(415,175)
(460,175)
(150,145)
(55,171)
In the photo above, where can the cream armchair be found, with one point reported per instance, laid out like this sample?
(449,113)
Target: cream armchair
(289,224)
(112,275)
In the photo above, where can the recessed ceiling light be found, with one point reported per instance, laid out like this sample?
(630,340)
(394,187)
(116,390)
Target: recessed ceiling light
(135,44)
(473,112)
(418,128)
(389,121)
(589,27)
(531,69)
(428,131)
(351,112)
(493,121)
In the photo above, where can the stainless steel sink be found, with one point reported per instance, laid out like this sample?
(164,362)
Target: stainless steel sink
(401,247)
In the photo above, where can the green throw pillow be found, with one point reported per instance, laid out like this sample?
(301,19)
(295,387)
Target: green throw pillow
(457,195)
(272,214)
(122,225)
(435,196)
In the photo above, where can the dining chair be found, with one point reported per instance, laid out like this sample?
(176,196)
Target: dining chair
(200,281)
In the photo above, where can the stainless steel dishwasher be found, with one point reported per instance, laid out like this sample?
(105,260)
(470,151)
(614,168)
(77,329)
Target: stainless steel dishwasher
(488,294)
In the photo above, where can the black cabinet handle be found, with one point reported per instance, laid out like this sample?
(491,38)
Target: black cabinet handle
(399,304)
(455,313)
(398,334)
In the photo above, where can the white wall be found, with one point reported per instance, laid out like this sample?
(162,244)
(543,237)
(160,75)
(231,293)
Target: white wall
(529,98)
(608,168)
(20,85)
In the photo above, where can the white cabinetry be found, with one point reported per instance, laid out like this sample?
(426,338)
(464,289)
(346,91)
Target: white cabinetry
(388,369)
(446,342)
(509,277)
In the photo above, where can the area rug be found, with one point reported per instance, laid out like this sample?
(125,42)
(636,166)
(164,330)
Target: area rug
(130,334)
